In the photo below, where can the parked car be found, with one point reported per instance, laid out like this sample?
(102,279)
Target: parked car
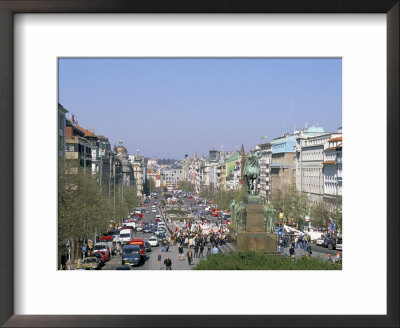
(123,267)
(104,254)
(153,241)
(159,232)
(91,262)
(100,259)
(339,243)
(147,229)
(320,241)
(332,242)
(147,246)
(161,235)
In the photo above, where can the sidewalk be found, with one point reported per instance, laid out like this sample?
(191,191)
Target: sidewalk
(300,252)
(174,256)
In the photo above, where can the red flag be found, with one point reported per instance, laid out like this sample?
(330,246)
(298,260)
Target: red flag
(176,229)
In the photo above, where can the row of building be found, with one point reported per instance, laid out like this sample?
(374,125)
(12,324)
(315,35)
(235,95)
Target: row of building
(309,160)
(94,154)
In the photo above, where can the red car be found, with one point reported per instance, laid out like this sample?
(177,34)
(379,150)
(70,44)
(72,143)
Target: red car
(105,255)
(190,197)
(215,214)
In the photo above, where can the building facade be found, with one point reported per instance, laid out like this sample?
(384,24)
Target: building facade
(137,163)
(332,170)
(171,176)
(61,130)
(77,147)
(265,170)
(282,167)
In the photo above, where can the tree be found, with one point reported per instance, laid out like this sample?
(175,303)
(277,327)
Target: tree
(336,212)
(319,214)
(85,207)
(149,186)
(165,189)
(186,186)
(292,203)
(223,198)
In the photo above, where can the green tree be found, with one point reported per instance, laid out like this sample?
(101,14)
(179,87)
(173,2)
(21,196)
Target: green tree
(223,198)
(319,214)
(186,186)
(149,186)
(292,203)
(336,212)
(86,207)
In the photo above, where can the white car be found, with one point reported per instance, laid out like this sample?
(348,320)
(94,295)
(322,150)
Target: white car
(153,210)
(139,228)
(153,241)
(320,241)
(160,230)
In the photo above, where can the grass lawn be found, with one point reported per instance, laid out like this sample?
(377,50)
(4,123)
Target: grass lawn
(176,212)
(262,261)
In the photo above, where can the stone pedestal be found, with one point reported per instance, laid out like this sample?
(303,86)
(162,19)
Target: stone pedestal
(255,238)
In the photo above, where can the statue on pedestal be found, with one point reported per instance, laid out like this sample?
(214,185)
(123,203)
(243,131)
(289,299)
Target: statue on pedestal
(251,173)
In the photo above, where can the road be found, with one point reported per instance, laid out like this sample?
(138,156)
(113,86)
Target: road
(151,262)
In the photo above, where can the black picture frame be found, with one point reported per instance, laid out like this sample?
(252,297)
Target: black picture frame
(10,7)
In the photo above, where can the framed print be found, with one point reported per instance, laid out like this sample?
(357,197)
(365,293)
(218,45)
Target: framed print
(44,39)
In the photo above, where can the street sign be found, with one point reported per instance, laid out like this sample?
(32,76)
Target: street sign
(281,215)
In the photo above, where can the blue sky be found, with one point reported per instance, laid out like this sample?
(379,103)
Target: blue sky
(166,107)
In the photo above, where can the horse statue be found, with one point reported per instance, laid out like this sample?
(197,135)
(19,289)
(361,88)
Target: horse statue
(251,173)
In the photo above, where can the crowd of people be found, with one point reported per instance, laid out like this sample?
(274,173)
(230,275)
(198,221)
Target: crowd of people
(191,245)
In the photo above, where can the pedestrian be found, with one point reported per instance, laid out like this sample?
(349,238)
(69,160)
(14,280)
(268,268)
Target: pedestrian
(304,244)
(159,261)
(337,257)
(201,250)
(189,256)
(329,258)
(292,253)
(180,252)
(168,263)
(208,248)
(281,249)
(215,250)
(196,250)
(309,252)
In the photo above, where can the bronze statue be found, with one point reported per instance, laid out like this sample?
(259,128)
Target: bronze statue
(233,217)
(251,173)
(269,218)
(240,217)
